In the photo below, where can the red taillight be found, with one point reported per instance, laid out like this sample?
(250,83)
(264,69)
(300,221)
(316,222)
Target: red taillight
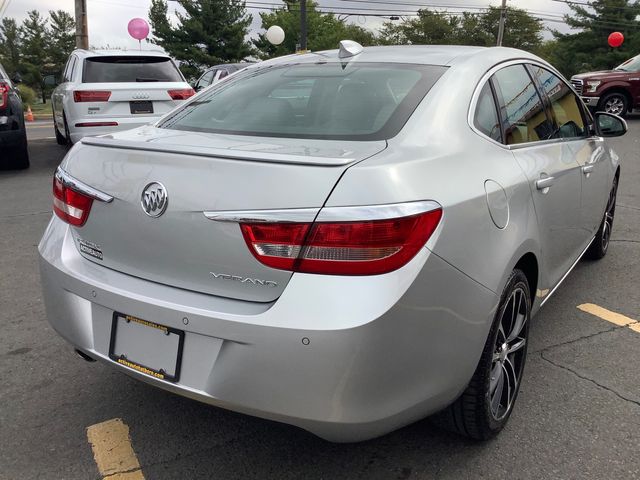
(181,94)
(4,94)
(70,205)
(341,248)
(91,96)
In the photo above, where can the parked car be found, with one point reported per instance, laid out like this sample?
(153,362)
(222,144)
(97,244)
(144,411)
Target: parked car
(13,133)
(614,91)
(217,73)
(108,91)
(346,241)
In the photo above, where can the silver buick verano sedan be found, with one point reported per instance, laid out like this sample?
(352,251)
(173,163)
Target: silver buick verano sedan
(347,241)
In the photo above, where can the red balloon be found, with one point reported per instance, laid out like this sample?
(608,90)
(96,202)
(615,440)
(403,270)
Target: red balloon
(615,39)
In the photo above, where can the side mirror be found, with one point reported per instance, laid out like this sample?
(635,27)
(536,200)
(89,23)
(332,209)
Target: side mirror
(49,80)
(17,78)
(609,125)
(197,87)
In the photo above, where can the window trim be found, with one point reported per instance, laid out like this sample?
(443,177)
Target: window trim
(476,94)
(549,104)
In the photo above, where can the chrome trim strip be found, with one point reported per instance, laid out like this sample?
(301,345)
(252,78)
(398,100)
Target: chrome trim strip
(376,212)
(285,215)
(566,274)
(68,181)
(327,214)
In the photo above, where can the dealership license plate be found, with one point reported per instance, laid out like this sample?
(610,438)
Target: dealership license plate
(147,347)
(144,106)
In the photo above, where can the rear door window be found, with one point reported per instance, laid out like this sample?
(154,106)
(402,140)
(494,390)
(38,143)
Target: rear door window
(120,68)
(486,115)
(565,107)
(522,111)
(206,79)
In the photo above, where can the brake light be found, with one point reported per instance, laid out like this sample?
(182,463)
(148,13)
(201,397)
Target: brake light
(70,205)
(4,94)
(369,247)
(91,96)
(181,94)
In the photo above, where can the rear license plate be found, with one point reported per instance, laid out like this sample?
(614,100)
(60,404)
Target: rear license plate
(143,106)
(146,347)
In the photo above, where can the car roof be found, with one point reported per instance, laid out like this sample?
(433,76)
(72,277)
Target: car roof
(116,53)
(444,55)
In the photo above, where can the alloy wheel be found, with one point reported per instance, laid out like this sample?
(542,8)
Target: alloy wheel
(614,105)
(509,354)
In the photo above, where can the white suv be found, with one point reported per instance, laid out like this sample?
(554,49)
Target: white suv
(105,91)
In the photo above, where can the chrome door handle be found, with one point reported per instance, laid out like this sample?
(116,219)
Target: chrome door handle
(544,183)
(587,169)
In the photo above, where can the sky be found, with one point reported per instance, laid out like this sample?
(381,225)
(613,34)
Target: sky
(108,18)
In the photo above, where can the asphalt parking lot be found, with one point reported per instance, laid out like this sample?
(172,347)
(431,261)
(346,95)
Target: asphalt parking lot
(577,417)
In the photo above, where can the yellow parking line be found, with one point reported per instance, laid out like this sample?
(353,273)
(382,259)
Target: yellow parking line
(605,314)
(112,450)
(609,316)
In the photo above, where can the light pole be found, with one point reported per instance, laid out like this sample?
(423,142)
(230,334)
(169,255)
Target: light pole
(82,30)
(503,18)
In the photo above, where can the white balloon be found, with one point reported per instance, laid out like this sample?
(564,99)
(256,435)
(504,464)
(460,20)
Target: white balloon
(275,35)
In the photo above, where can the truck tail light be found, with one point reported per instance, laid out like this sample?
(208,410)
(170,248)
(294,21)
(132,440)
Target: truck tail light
(369,247)
(70,205)
(181,94)
(91,96)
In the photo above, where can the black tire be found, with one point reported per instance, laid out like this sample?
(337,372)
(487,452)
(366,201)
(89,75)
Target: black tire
(67,135)
(19,155)
(602,239)
(476,414)
(614,102)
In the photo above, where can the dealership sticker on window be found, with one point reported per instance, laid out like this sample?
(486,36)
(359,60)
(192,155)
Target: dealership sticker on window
(90,249)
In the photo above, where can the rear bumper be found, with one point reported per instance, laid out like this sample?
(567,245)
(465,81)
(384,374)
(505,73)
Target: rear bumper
(123,123)
(382,351)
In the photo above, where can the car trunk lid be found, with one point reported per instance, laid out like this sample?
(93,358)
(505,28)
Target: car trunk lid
(182,247)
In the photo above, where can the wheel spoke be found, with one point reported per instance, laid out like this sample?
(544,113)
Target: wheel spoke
(496,373)
(519,321)
(497,394)
(514,347)
(510,387)
(510,371)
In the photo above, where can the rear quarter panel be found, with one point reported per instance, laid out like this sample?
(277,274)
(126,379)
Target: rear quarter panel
(437,156)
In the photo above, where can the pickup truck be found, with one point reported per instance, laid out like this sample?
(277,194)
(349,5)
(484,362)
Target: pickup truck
(614,91)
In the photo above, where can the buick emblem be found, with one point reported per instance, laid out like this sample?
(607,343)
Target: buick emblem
(154,199)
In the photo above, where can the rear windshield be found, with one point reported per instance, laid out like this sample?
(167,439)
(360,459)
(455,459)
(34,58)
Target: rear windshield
(359,101)
(130,69)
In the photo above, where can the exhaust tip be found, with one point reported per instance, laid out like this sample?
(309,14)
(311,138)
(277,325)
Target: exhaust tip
(84,356)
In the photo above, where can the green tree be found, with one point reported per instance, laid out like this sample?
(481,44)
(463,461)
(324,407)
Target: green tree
(34,47)
(431,27)
(61,39)
(208,33)
(587,49)
(10,46)
(324,30)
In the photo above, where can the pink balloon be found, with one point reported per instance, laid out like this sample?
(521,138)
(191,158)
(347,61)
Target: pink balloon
(138,28)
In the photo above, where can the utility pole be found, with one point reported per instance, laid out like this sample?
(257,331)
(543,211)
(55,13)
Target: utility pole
(303,25)
(503,19)
(82,30)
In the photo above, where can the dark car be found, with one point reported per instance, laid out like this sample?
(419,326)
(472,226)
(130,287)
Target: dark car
(218,72)
(13,134)
(614,91)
